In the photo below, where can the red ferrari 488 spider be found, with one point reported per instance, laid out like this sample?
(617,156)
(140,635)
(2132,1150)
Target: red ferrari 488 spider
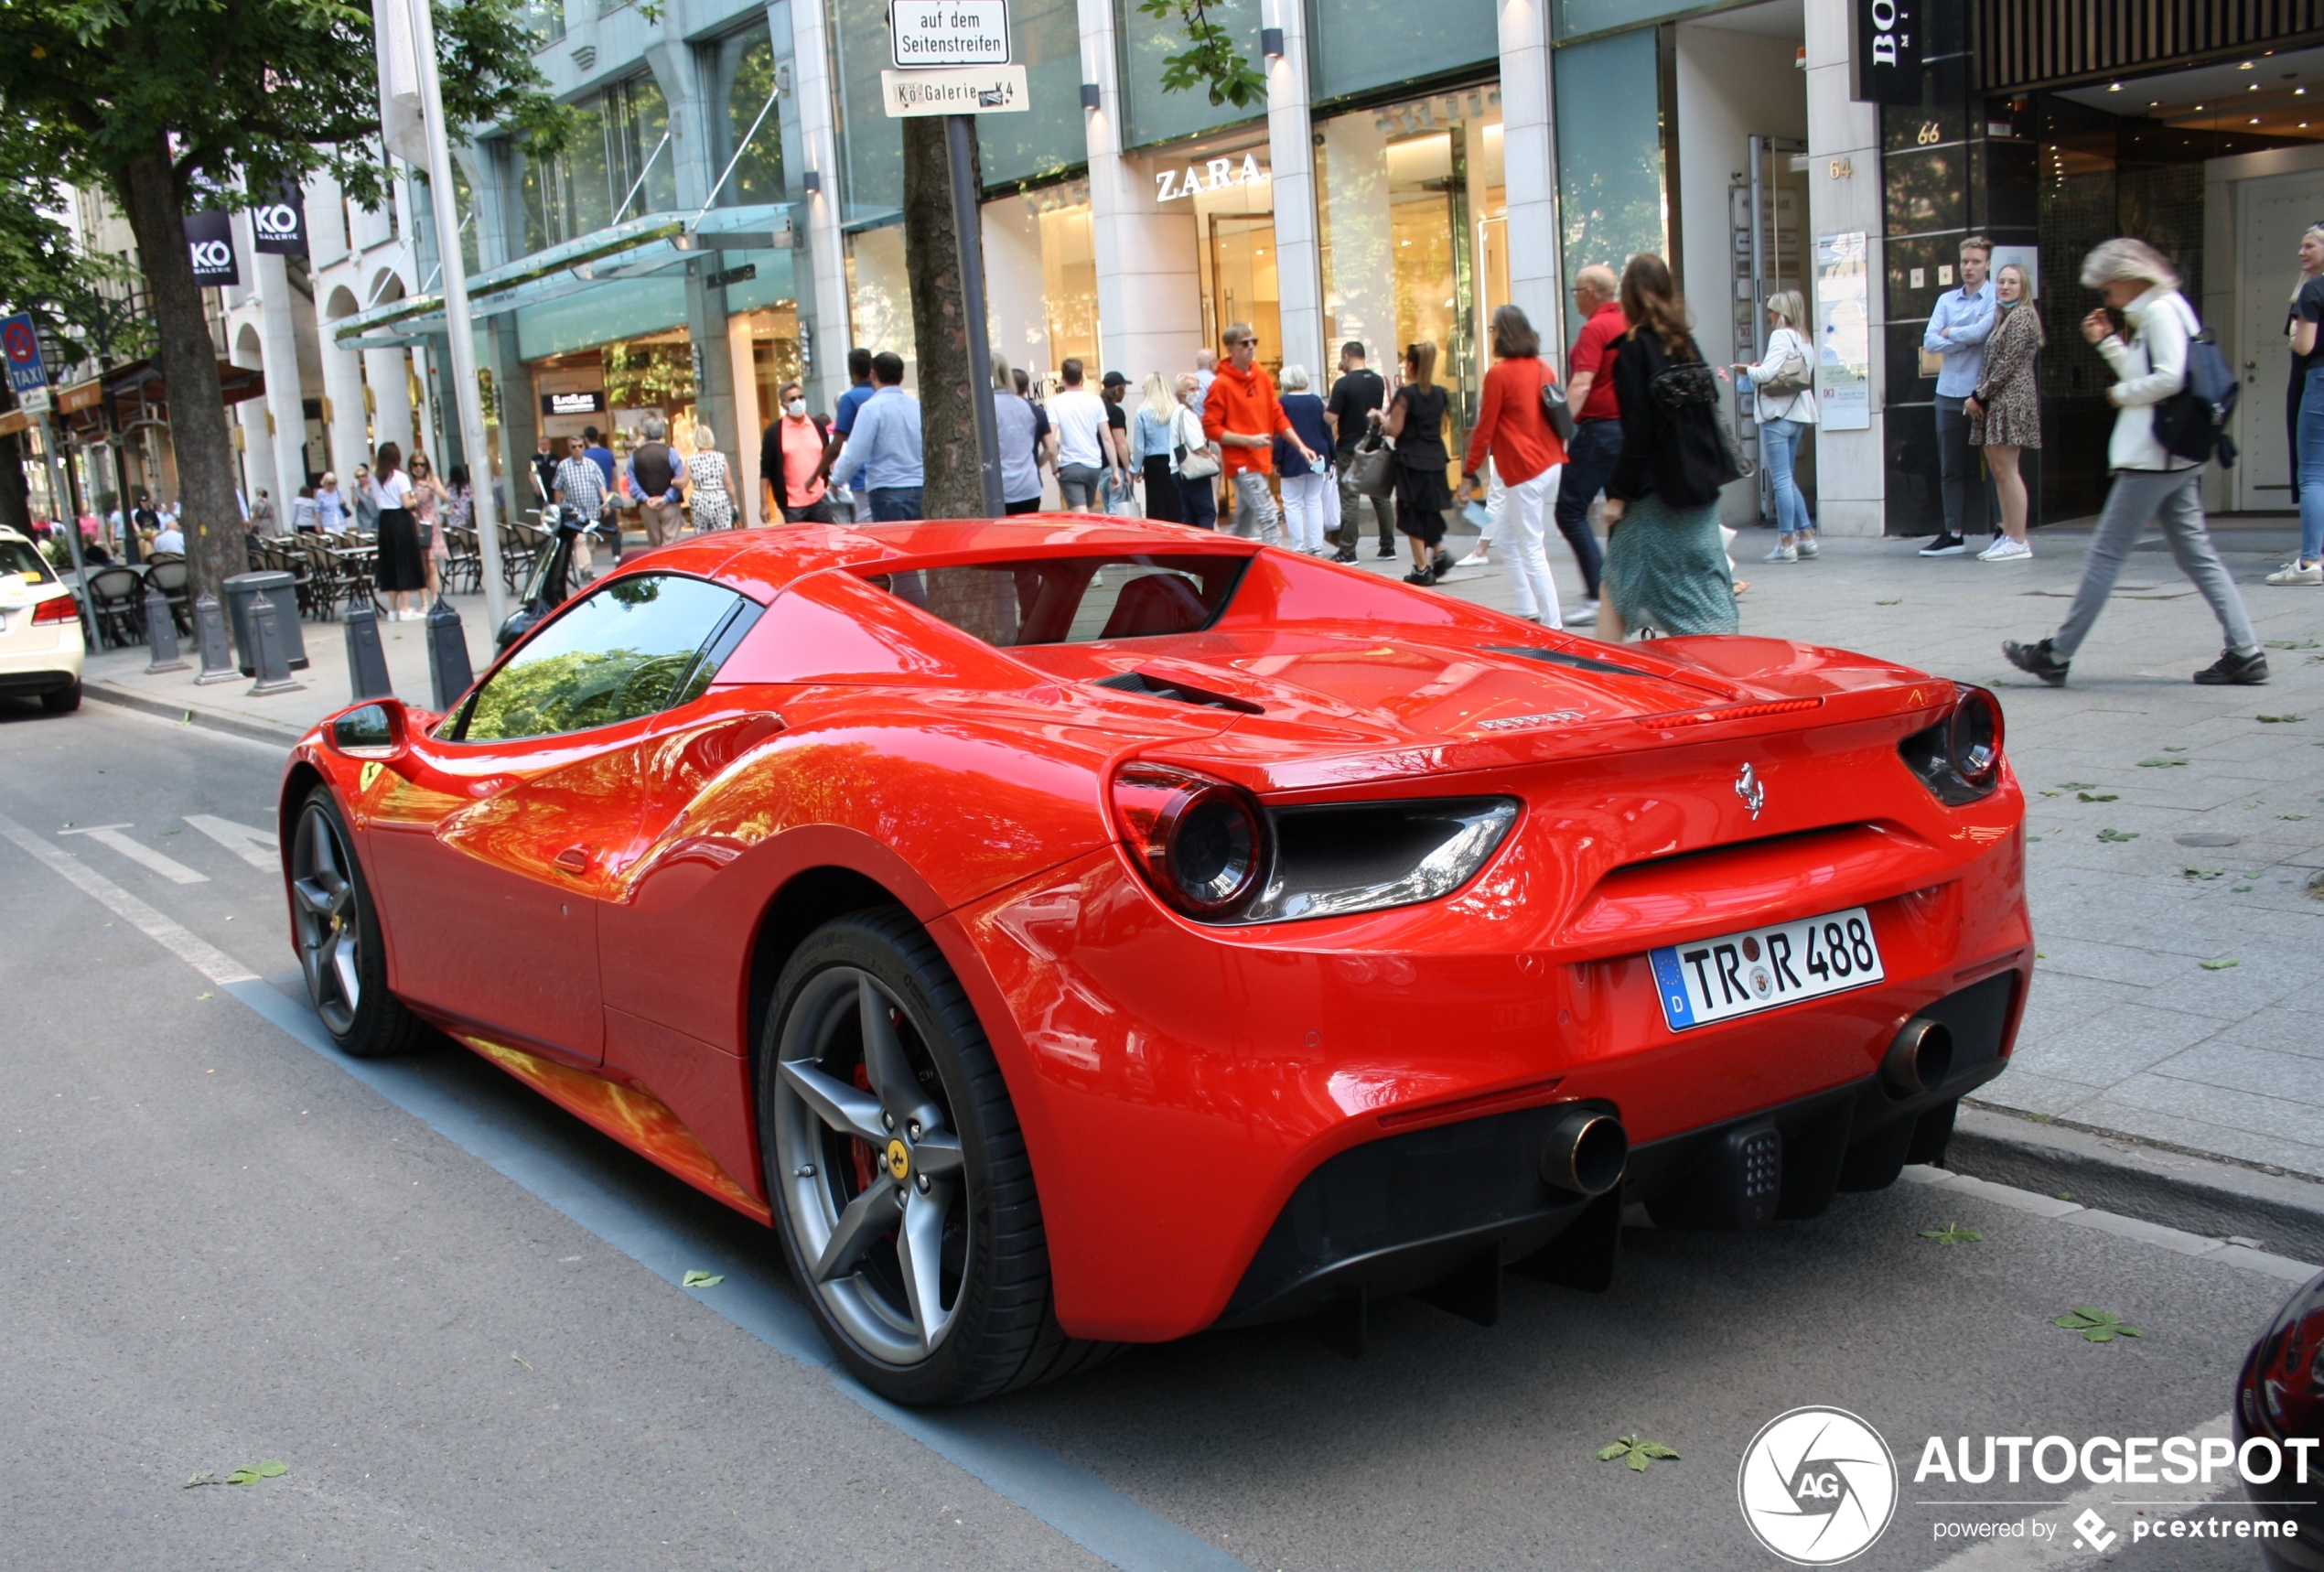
(1068,935)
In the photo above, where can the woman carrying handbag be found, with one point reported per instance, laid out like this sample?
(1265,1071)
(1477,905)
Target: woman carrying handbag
(1195,460)
(1666,569)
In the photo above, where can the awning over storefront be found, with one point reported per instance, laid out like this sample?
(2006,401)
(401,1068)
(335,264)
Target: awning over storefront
(652,245)
(134,394)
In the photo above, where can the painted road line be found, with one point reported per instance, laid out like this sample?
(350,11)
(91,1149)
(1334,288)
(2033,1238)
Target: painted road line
(198,953)
(254,846)
(169,868)
(1079,1505)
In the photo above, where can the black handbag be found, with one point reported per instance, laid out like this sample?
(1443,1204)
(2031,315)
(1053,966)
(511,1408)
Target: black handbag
(1372,469)
(1556,411)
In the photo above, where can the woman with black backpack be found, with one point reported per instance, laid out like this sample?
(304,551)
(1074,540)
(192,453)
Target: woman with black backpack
(2152,480)
(1666,567)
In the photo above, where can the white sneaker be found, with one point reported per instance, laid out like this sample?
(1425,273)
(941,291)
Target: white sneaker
(1584,612)
(1475,559)
(1783,553)
(1809,550)
(2295,572)
(2006,550)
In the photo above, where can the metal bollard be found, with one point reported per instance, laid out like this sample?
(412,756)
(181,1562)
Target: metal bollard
(366,660)
(161,635)
(266,655)
(209,628)
(447,654)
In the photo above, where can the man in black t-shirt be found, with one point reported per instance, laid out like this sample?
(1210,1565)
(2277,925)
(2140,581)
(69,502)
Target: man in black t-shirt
(1354,398)
(544,469)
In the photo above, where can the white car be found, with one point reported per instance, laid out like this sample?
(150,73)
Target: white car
(41,646)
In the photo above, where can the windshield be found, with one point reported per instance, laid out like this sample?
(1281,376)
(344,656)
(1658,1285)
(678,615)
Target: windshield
(1072,599)
(18,556)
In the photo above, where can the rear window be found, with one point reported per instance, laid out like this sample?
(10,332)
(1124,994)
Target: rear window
(1072,599)
(18,556)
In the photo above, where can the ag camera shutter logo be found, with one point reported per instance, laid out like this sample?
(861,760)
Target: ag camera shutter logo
(1817,1486)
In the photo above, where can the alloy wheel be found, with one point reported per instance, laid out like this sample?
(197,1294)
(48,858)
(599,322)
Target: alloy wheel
(872,1181)
(323,910)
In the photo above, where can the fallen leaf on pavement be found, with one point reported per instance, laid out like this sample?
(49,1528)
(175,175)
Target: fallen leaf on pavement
(699,1279)
(1642,1455)
(1953,1233)
(2095,1326)
(2114,834)
(2221,966)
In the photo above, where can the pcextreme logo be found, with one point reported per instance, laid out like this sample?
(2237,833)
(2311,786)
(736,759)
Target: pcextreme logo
(1817,1486)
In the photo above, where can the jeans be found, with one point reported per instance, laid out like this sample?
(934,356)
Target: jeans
(1199,502)
(2307,465)
(1780,446)
(1255,508)
(1310,508)
(2169,497)
(1589,459)
(1077,484)
(894,504)
(1958,476)
(1525,506)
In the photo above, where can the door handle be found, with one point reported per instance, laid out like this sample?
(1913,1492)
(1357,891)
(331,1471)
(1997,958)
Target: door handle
(573,860)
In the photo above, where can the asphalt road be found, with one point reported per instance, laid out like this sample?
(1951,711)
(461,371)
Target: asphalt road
(452,1313)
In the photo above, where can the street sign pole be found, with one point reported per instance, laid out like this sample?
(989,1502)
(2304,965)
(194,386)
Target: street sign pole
(960,143)
(467,398)
(51,440)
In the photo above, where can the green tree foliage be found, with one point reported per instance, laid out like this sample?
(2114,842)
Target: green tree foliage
(1210,61)
(172,105)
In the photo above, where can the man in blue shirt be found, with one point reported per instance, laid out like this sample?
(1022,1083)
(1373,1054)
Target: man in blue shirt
(1957,331)
(843,420)
(597,453)
(883,447)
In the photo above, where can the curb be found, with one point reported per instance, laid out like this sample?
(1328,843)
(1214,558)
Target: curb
(2197,1195)
(190,714)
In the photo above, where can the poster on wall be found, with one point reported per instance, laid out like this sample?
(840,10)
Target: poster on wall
(1842,333)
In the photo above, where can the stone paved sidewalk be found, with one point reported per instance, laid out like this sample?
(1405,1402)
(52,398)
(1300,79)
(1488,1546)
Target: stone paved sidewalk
(2180,988)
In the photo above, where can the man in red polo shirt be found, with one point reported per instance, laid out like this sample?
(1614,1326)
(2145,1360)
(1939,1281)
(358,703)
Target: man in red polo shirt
(1598,419)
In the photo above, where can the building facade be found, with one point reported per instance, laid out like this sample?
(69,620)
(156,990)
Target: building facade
(729,216)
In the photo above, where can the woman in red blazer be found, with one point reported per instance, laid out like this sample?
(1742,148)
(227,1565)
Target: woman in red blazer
(1513,432)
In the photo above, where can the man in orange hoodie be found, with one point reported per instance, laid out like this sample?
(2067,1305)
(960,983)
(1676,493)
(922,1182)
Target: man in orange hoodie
(1240,415)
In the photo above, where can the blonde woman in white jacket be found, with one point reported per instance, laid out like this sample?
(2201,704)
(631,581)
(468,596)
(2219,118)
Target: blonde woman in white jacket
(2150,481)
(1783,421)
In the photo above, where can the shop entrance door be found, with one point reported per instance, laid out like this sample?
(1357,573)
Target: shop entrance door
(1243,282)
(2275,212)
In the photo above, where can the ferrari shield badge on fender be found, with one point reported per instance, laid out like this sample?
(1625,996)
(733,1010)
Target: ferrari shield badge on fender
(370,772)
(1748,788)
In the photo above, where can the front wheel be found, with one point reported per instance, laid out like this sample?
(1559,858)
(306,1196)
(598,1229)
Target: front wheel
(338,931)
(902,1190)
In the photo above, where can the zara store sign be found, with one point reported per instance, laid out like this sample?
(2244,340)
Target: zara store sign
(1215,176)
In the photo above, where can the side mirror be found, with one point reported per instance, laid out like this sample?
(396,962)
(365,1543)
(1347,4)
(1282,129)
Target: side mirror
(374,731)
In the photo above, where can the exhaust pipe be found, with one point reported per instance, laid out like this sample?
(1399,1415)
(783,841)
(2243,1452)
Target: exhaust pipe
(1919,1058)
(1587,1153)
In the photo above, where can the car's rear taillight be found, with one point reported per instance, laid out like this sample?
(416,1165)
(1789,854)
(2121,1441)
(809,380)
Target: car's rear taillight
(60,610)
(1200,842)
(1959,757)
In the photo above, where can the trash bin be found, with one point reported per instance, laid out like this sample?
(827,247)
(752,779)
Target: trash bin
(242,591)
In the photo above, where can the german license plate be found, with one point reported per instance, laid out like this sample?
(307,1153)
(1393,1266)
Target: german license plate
(1761,968)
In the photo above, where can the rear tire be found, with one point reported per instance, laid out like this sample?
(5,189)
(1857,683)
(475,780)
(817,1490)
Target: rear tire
(338,933)
(893,1157)
(63,701)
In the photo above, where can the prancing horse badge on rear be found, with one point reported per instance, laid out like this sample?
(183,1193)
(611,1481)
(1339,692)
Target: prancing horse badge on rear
(1748,787)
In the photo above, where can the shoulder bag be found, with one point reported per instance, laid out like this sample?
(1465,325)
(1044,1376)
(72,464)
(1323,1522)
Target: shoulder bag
(1372,470)
(1789,382)
(1197,462)
(1554,409)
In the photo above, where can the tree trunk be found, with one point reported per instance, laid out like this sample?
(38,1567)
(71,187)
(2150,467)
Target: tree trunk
(953,484)
(198,434)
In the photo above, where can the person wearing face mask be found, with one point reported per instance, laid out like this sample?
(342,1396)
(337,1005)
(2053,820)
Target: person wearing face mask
(790,482)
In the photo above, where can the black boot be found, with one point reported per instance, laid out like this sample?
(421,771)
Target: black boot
(2042,661)
(2231,669)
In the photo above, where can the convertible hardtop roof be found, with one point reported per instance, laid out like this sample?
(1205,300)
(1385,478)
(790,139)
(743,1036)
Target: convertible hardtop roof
(761,562)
